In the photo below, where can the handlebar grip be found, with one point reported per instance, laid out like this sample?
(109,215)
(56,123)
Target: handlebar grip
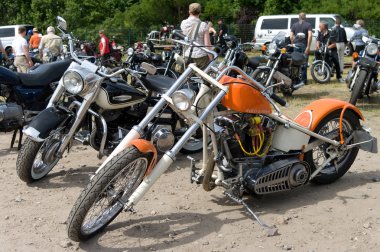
(179,34)
(279,100)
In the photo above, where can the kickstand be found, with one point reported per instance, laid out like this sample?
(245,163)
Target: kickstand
(271,230)
(19,138)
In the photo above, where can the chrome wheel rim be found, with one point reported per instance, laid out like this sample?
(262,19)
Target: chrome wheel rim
(110,201)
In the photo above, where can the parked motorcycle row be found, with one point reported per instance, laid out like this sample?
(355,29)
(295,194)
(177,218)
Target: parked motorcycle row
(143,113)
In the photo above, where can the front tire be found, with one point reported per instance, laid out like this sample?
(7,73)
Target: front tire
(341,164)
(261,75)
(105,186)
(357,90)
(319,75)
(30,165)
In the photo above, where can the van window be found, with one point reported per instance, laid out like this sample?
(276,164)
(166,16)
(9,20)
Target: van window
(329,21)
(275,24)
(7,32)
(309,20)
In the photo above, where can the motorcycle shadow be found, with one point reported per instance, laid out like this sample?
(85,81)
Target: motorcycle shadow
(280,203)
(8,151)
(78,177)
(189,228)
(369,103)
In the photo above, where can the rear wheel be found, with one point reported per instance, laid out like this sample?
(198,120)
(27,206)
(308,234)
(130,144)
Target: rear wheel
(337,167)
(102,200)
(357,90)
(319,73)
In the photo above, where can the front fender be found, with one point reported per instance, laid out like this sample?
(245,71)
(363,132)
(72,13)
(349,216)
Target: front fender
(313,113)
(45,122)
(145,146)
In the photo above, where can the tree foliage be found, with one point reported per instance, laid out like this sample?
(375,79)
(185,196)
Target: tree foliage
(84,17)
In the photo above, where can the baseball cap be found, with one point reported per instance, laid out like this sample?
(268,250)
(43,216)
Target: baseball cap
(35,29)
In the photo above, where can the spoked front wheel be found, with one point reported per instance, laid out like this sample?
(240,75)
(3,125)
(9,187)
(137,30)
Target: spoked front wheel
(102,200)
(320,73)
(338,166)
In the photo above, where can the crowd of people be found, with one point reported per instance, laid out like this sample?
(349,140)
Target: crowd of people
(50,45)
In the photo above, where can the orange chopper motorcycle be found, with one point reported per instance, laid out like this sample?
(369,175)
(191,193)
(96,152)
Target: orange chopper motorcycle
(254,148)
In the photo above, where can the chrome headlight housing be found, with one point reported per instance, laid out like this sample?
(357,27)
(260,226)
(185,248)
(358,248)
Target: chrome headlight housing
(272,48)
(183,99)
(371,49)
(79,82)
(73,82)
(130,51)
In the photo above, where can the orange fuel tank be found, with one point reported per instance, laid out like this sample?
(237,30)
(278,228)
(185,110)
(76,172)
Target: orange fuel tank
(243,97)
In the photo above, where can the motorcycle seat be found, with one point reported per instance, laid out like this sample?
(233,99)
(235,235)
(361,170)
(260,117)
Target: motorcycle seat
(254,62)
(158,83)
(44,74)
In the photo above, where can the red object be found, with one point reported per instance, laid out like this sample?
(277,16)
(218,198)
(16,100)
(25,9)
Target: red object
(107,49)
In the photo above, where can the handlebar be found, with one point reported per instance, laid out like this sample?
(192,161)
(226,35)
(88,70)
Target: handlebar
(279,100)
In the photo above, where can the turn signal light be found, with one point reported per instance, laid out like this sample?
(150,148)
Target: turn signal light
(355,55)
(263,48)
(283,50)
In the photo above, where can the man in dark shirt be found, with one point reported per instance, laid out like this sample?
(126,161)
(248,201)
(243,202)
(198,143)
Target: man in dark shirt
(222,31)
(301,35)
(329,39)
(341,41)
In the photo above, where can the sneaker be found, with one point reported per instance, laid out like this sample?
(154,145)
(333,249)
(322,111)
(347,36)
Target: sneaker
(341,80)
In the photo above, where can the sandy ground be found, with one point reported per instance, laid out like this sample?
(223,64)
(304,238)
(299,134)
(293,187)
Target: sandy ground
(179,216)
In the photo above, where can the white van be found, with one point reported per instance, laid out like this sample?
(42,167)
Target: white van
(8,34)
(268,26)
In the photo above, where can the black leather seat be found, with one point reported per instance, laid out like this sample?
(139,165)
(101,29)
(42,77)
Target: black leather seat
(254,62)
(158,83)
(44,74)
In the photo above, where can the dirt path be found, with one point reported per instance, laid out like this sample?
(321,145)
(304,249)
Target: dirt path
(179,216)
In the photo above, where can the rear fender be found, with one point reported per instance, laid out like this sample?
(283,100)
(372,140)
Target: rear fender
(145,146)
(314,113)
(45,122)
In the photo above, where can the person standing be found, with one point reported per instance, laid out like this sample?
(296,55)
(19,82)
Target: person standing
(50,46)
(302,42)
(329,39)
(3,50)
(223,30)
(197,31)
(357,38)
(104,47)
(341,41)
(212,32)
(23,62)
(35,39)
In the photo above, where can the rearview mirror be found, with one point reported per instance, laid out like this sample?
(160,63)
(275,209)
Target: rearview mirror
(62,24)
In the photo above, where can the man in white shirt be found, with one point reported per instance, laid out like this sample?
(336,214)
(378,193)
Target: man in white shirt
(196,30)
(21,51)
(3,50)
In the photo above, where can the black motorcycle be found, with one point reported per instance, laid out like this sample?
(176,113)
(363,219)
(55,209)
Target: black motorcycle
(284,64)
(363,79)
(322,67)
(105,110)
(25,94)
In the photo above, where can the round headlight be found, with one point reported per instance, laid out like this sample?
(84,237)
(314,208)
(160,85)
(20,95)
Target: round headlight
(130,51)
(183,99)
(73,82)
(371,49)
(272,48)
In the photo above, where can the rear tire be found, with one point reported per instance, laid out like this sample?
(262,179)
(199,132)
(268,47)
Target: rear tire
(103,186)
(357,90)
(341,164)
